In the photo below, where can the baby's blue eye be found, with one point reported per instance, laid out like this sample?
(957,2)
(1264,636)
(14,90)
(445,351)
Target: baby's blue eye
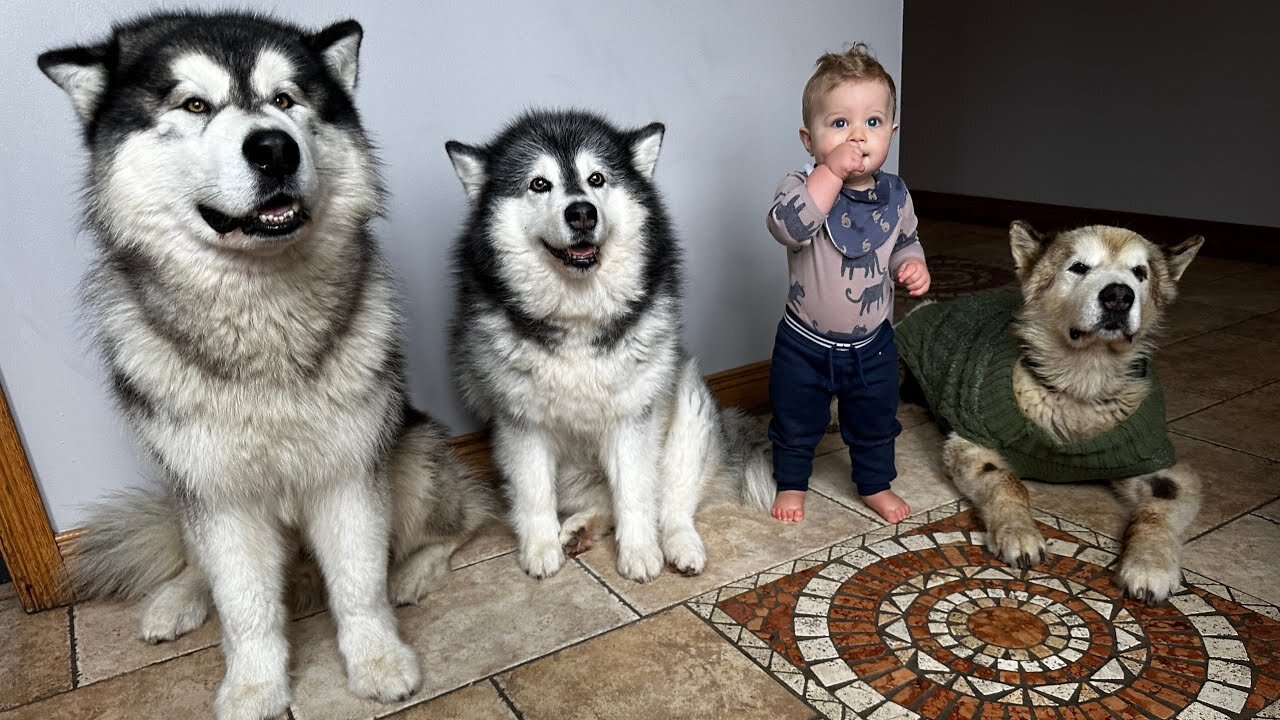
(839,123)
(873,122)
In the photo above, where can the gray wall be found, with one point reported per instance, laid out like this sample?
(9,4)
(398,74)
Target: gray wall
(1169,108)
(724,76)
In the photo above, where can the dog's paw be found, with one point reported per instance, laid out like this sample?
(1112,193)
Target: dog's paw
(580,532)
(684,551)
(390,674)
(541,558)
(173,611)
(256,699)
(1017,544)
(1149,577)
(414,580)
(641,562)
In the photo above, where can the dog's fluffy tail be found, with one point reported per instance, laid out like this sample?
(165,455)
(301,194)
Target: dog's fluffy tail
(750,453)
(131,544)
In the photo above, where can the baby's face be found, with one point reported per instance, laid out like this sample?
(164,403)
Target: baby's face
(855,111)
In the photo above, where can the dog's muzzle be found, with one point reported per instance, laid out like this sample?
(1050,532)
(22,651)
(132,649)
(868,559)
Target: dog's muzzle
(1116,300)
(582,218)
(280,215)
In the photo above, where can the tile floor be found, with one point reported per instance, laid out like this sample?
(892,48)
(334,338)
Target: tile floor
(841,617)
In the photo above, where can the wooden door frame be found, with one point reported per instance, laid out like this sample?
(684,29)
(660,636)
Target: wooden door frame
(27,542)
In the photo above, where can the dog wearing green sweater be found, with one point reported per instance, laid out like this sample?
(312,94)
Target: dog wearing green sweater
(1057,383)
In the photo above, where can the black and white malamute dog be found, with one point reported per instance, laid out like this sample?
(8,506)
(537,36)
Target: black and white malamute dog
(1057,383)
(567,341)
(251,331)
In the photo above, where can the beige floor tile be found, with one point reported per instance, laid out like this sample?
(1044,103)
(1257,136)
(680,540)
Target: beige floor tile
(1270,511)
(1089,504)
(35,653)
(668,666)
(107,642)
(492,540)
(7,591)
(740,541)
(1188,318)
(920,479)
(1219,364)
(1212,268)
(489,617)
(476,702)
(1250,422)
(1180,403)
(180,688)
(1256,290)
(1240,554)
(1261,327)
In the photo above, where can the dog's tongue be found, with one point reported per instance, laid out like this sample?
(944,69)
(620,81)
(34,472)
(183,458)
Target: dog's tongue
(280,209)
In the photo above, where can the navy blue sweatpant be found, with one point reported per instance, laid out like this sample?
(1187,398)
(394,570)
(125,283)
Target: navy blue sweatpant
(803,378)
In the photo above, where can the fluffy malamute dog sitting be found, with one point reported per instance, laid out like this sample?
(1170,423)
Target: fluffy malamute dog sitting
(567,340)
(250,328)
(1057,384)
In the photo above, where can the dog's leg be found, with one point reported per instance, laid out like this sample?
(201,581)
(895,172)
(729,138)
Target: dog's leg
(241,552)
(349,529)
(423,571)
(690,447)
(584,492)
(177,607)
(630,459)
(527,460)
(1161,507)
(1001,499)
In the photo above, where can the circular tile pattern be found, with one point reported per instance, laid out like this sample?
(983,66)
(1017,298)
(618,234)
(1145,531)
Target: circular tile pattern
(939,624)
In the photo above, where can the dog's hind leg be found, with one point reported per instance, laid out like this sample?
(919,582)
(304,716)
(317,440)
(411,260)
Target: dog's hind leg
(1000,497)
(178,606)
(1161,507)
(584,493)
(692,450)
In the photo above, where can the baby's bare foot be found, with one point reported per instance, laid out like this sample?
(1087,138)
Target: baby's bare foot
(887,505)
(788,506)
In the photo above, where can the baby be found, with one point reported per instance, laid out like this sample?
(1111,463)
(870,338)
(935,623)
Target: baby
(849,229)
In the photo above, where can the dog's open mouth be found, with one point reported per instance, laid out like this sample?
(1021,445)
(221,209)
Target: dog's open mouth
(281,215)
(1108,330)
(580,255)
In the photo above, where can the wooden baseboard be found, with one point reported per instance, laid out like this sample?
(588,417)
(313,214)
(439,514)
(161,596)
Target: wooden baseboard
(745,387)
(1253,243)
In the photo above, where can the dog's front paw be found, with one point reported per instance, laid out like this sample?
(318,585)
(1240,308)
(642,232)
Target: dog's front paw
(173,611)
(541,558)
(1150,577)
(251,698)
(1017,544)
(579,533)
(639,562)
(684,551)
(388,675)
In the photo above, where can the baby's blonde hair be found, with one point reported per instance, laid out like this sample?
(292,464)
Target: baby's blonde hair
(856,63)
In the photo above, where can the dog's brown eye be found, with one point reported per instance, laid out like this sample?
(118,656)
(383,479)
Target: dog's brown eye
(1140,273)
(1079,268)
(195,105)
(283,101)
(595,180)
(540,185)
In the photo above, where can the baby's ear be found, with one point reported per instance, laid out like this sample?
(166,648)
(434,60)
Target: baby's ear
(1027,246)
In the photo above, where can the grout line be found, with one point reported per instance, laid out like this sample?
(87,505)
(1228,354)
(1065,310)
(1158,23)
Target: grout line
(1220,445)
(1230,520)
(502,693)
(75,650)
(587,569)
(1264,517)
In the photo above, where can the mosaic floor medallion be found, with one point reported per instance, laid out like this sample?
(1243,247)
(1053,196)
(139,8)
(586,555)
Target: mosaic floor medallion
(919,620)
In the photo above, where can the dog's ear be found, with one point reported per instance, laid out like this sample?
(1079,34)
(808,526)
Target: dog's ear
(1179,256)
(82,72)
(645,145)
(339,45)
(1027,245)
(471,164)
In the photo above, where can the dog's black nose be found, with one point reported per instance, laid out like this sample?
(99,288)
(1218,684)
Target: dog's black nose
(581,216)
(1116,297)
(273,152)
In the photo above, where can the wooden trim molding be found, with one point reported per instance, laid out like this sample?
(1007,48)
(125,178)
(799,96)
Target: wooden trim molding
(1253,243)
(26,537)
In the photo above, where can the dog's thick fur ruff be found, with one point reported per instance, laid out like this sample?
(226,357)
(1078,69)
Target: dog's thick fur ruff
(1093,298)
(251,331)
(567,341)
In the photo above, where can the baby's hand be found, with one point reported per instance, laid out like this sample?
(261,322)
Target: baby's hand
(914,274)
(845,160)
